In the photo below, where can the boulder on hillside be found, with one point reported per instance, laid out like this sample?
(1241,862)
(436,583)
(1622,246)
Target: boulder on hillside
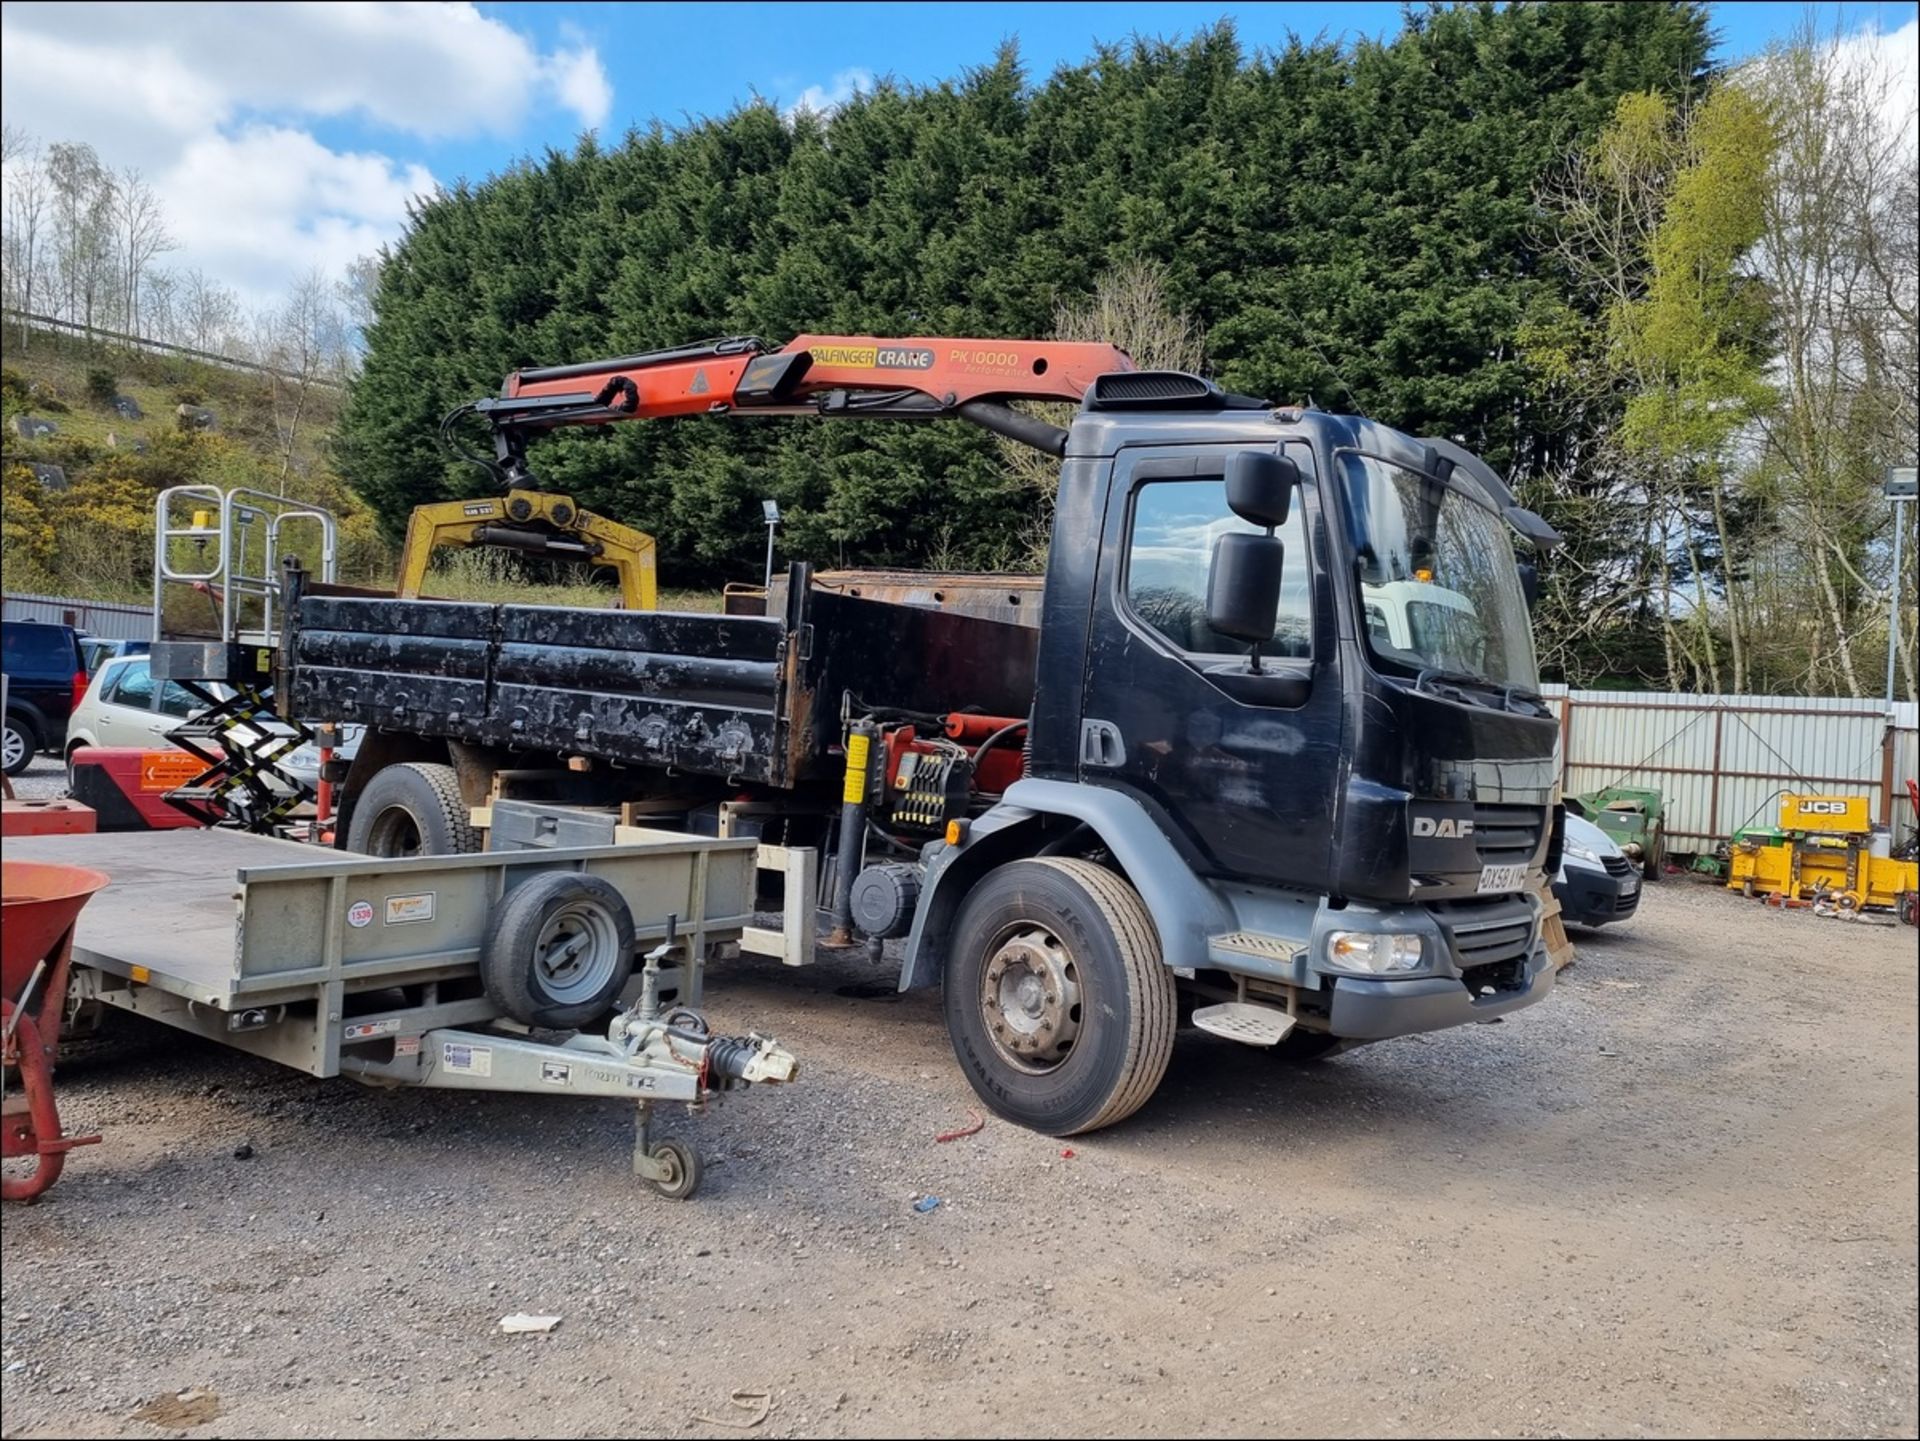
(33,427)
(51,477)
(127,408)
(195,417)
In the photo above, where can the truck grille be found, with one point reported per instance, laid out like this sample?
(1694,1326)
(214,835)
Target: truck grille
(1507,835)
(1616,865)
(1487,933)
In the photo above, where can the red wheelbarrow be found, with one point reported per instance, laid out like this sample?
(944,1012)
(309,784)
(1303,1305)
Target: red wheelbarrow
(38,907)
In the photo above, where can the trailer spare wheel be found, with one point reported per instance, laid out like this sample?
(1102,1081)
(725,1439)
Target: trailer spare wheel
(558,950)
(1057,1001)
(414,809)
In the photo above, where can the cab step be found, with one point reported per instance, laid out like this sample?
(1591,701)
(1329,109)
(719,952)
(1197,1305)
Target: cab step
(1248,1024)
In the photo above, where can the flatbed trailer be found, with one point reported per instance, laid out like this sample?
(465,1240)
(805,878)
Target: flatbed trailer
(389,970)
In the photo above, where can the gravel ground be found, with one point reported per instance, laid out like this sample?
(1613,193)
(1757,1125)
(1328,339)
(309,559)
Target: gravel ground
(1678,1199)
(45,779)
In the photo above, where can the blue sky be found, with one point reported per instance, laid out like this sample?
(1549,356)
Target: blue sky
(283,138)
(677,61)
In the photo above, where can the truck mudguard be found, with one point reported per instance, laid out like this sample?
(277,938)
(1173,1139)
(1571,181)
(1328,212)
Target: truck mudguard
(1185,912)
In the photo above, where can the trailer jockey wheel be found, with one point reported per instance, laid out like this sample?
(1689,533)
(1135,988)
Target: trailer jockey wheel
(558,950)
(681,1167)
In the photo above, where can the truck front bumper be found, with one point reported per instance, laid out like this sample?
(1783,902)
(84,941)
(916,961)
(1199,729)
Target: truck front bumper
(1374,1010)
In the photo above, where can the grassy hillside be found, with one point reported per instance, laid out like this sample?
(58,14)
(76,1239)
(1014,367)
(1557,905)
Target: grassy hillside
(94,539)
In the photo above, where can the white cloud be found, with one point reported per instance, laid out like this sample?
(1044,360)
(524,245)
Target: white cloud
(825,99)
(270,203)
(1887,63)
(428,70)
(213,102)
(580,84)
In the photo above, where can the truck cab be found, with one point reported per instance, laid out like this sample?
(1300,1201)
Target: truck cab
(1337,843)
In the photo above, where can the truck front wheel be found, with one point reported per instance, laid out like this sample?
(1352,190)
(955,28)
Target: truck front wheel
(1060,1008)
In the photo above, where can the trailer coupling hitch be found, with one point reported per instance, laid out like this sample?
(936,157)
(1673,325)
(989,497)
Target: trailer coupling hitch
(754,1059)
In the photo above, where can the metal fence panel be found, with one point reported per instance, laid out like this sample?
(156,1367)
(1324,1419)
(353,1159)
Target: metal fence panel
(106,619)
(1723,761)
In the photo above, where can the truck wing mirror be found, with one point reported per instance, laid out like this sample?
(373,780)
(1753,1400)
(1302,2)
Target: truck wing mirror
(1243,589)
(1530,583)
(1534,528)
(1260,487)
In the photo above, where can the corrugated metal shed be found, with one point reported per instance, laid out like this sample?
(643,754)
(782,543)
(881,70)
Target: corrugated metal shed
(106,619)
(1724,761)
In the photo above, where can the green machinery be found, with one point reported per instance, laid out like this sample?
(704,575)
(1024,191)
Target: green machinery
(1633,818)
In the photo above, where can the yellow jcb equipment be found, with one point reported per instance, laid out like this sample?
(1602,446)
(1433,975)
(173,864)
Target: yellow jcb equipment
(535,521)
(1825,851)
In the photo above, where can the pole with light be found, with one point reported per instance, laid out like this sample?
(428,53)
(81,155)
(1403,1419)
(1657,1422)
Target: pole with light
(1900,485)
(771,508)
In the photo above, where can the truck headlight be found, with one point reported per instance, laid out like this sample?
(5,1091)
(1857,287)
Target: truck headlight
(1373,951)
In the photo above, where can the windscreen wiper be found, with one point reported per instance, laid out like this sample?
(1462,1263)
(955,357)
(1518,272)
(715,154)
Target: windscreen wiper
(1474,687)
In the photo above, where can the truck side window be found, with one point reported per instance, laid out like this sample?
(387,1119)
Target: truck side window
(1169,549)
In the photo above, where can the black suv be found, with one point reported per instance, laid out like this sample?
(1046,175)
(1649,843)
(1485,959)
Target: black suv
(46,677)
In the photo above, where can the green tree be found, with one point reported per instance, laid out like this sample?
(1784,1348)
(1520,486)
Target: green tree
(1352,226)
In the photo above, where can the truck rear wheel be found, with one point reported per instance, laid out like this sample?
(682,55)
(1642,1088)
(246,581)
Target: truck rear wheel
(414,809)
(1057,1001)
(558,950)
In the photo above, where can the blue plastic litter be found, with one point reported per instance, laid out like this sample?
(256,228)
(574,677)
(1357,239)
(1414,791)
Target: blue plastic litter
(926,1204)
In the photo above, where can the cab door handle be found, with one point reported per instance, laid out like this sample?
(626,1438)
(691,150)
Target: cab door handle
(1101,745)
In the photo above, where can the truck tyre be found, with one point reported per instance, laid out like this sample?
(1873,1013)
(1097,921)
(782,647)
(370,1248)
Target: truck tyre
(412,809)
(1059,1006)
(19,743)
(1656,862)
(558,950)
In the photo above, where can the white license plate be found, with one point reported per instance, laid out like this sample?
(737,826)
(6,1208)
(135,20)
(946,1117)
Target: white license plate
(1502,878)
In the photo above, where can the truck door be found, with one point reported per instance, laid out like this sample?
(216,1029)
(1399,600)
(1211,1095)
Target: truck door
(1247,778)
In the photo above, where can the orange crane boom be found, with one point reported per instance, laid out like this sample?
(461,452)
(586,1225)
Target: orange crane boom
(904,378)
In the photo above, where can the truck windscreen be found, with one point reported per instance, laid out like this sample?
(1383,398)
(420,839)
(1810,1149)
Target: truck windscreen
(1438,583)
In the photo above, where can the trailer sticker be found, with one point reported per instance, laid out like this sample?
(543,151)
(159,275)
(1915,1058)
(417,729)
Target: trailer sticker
(362,1030)
(359,914)
(473,1060)
(403,910)
(407,1046)
(483,508)
(556,1073)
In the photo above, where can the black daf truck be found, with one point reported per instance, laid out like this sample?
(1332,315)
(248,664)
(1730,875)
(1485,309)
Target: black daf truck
(1271,757)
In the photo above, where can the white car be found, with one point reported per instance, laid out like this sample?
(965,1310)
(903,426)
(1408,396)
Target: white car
(126,706)
(1597,884)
